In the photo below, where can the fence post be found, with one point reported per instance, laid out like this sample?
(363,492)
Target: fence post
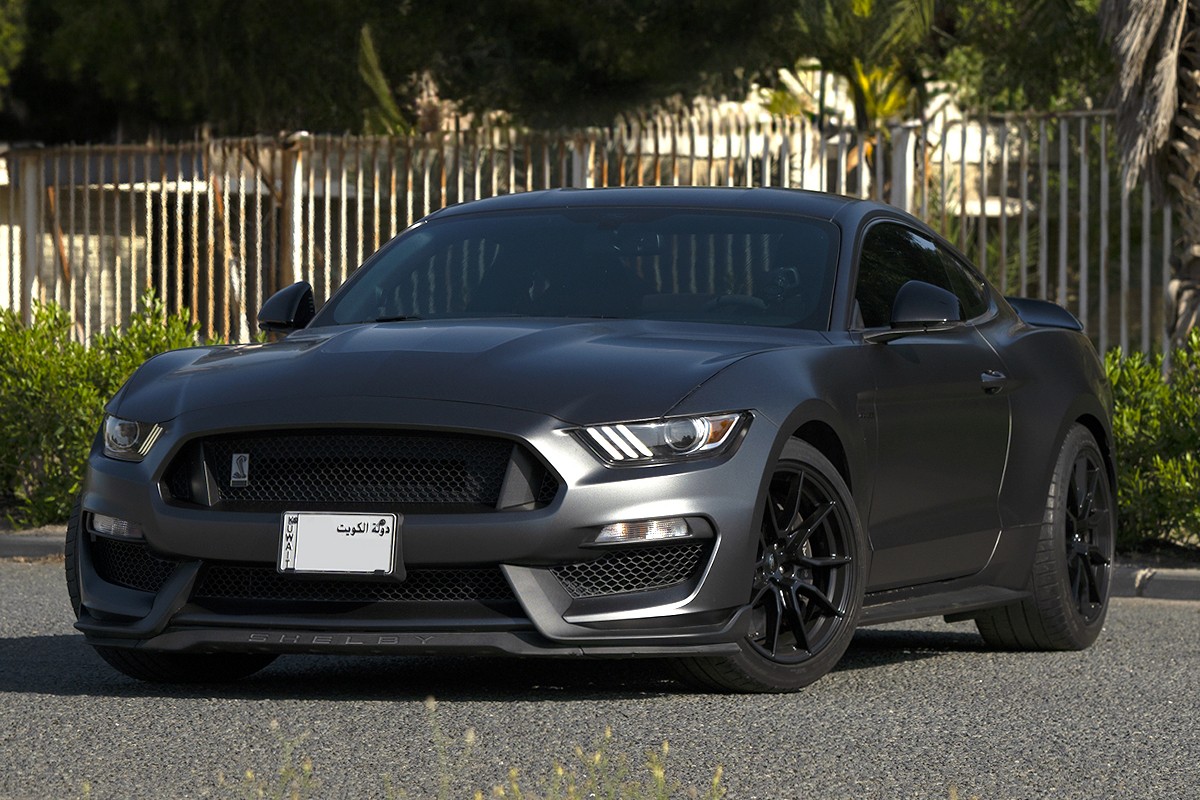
(583,159)
(903,153)
(31,178)
(292,191)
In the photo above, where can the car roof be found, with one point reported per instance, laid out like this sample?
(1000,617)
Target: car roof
(774,200)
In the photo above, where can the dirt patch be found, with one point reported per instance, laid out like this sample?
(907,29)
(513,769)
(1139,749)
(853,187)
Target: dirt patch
(44,530)
(54,559)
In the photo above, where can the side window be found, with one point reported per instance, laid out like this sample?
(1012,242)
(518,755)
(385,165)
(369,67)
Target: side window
(891,256)
(964,282)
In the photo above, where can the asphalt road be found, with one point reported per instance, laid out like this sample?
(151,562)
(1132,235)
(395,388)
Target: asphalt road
(915,710)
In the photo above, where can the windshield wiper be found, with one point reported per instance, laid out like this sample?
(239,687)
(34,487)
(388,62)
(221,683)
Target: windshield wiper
(402,318)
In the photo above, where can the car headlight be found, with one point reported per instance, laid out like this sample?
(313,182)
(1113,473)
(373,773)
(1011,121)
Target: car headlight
(664,440)
(128,440)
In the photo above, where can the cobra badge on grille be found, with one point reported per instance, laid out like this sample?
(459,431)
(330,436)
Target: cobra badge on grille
(239,470)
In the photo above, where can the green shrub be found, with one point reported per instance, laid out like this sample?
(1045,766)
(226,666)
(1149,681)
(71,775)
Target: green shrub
(52,396)
(1156,425)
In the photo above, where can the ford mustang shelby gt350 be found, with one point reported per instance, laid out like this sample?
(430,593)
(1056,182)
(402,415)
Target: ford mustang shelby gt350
(721,426)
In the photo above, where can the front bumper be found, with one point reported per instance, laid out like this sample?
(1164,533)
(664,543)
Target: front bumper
(529,551)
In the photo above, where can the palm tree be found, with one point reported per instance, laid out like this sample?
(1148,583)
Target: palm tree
(1157,48)
(874,45)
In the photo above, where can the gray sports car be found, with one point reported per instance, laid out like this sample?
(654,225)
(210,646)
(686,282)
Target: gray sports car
(722,426)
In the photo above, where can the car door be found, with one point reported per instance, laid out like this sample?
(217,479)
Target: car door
(941,418)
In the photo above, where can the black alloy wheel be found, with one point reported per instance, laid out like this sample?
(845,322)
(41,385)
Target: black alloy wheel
(809,576)
(1088,535)
(803,585)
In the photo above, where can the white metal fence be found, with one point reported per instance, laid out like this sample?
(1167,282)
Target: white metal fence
(216,226)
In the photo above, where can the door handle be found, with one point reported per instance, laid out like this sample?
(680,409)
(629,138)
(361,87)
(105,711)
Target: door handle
(993,381)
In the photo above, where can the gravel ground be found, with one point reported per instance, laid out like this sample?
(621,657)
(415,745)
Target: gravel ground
(914,710)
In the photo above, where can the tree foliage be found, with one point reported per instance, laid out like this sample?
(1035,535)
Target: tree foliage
(243,65)
(251,66)
(863,42)
(261,66)
(1033,54)
(998,55)
(12,38)
(580,63)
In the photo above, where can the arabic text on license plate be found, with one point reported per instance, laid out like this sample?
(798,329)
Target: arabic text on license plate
(334,542)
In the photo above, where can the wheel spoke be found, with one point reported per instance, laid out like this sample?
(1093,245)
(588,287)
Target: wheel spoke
(805,529)
(785,504)
(1097,558)
(774,621)
(1092,581)
(1075,568)
(820,598)
(1095,519)
(1086,508)
(796,621)
(1079,485)
(760,593)
(793,519)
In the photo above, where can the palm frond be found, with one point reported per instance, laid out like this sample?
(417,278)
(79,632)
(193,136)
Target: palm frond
(1147,37)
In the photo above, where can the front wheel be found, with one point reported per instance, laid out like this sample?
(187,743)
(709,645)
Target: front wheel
(1072,566)
(806,595)
(150,666)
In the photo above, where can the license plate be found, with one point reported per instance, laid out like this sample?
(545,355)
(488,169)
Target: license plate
(361,544)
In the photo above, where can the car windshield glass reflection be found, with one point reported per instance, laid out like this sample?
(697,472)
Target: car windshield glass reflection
(601,262)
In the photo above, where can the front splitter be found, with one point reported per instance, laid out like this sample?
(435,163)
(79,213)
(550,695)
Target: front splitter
(515,643)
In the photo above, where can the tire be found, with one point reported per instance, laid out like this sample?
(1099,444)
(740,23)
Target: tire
(157,667)
(70,558)
(1073,561)
(808,584)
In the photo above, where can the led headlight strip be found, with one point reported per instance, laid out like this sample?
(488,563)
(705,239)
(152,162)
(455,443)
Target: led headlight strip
(129,440)
(663,440)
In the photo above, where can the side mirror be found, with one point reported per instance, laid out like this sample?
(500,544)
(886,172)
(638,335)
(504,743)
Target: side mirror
(923,305)
(289,309)
(920,307)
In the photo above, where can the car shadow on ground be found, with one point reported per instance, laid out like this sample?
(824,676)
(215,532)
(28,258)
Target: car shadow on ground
(64,665)
(879,648)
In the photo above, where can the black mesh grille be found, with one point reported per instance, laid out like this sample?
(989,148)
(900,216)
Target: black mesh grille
(548,489)
(297,471)
(230,582)
(633,570)
(130,564)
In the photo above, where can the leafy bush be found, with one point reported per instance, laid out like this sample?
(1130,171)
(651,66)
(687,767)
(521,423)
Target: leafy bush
(52,396)
(1156,425)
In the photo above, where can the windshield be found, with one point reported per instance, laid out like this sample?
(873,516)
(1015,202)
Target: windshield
(643,263)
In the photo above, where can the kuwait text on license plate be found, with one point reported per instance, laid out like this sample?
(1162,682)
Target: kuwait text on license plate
(334,542)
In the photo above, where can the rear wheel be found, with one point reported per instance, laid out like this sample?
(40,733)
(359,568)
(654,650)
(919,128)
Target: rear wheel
(153,666)
(807,591)
(1072,566)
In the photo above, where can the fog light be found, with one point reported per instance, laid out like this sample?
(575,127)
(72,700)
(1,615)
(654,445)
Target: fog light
(649,530)
(111,526)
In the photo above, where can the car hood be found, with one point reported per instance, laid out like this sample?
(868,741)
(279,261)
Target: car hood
(578,371)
